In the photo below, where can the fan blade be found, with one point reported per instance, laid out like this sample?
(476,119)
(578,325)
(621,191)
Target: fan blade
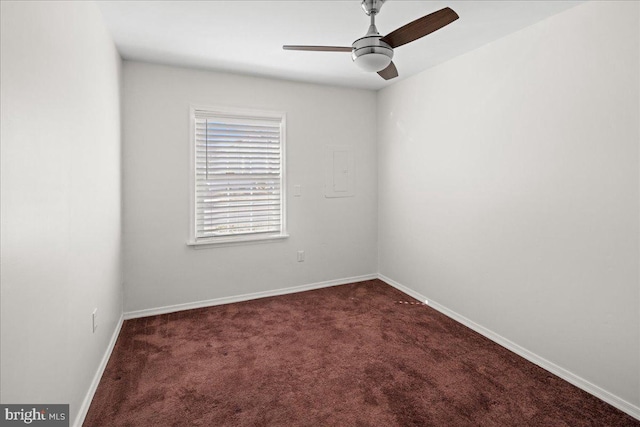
(420,27)
(389,73)
(319,48)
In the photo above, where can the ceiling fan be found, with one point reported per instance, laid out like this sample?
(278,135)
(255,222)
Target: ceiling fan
(374,52)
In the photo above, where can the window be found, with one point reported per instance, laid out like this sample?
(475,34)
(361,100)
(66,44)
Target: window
(238,175)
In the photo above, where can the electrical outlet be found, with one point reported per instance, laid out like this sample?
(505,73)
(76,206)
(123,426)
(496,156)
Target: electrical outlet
(300,256)
(94,319)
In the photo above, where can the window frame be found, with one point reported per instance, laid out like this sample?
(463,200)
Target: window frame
(236,113)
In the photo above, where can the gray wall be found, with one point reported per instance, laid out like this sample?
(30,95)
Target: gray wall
(60,186)
(508,190)
(337,235)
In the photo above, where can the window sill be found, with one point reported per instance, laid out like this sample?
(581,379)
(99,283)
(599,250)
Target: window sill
(233,241)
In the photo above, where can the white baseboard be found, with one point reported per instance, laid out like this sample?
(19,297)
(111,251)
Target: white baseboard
(86,403)
(244,297)
(566,375)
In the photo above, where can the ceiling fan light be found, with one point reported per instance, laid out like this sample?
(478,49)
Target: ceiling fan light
(372,58)
(373,62)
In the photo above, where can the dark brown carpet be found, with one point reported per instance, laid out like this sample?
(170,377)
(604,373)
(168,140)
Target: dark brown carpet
(349,355)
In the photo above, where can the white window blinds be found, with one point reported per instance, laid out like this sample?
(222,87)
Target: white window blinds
(238,175)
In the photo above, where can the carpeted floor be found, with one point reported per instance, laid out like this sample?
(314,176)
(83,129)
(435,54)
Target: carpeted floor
(351,355)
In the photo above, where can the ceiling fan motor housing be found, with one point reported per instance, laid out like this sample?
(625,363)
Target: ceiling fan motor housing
(371,54)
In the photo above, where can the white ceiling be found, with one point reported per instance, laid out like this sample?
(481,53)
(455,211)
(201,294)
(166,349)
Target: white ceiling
(247,36)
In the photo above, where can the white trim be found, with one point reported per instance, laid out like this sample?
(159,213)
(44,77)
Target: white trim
(245,297)
(226,111)
(566,375)
(228,241)
(86,403)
